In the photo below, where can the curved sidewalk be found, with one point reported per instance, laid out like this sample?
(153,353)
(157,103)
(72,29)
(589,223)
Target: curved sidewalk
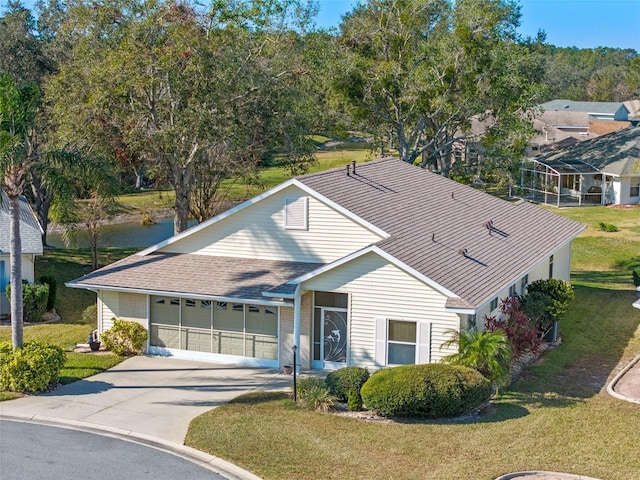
(626,384)
(150,400)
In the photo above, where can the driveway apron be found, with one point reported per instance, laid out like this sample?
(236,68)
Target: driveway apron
(154,396)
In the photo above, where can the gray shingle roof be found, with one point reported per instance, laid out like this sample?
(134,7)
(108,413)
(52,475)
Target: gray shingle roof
(439,227)
(561,105)
(196,274)
(30,230)
(617,153)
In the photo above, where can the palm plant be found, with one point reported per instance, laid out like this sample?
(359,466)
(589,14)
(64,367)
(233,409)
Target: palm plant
(488,352)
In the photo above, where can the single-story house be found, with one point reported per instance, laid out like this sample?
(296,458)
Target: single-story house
(371,265)
(31,237)
(604,170)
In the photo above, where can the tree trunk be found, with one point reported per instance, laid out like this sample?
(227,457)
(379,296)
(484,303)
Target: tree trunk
(182,186)
(43,201)
(16,272)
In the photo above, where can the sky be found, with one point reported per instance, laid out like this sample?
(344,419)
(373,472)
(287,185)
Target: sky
(567,23)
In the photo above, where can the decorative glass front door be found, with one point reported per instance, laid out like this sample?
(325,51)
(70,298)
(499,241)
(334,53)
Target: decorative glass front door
(330,337)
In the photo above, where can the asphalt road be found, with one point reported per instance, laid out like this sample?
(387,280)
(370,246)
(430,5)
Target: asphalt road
(35,451)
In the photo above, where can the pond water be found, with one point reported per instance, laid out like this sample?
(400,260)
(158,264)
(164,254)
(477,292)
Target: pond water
(122,235)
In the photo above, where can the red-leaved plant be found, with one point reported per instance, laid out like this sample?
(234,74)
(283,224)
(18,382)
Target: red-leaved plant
(517,326)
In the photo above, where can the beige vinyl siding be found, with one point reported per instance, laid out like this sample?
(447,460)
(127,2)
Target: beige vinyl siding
(562,263)
(110,303)
(381,290)
(258,231)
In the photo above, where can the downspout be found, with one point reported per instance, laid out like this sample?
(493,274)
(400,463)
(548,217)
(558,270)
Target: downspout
(297,314)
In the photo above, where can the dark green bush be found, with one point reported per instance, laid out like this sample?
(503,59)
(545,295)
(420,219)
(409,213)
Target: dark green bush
(53,290)
(431,391)
(345,380)
(125,337)
(34,300)
(560,293)
(32,368)
(636,276)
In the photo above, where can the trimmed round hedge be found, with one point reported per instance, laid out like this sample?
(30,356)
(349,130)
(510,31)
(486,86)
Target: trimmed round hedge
(431,391)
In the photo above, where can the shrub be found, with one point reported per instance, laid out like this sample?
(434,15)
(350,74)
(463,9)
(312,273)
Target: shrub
(304,384)
(347,382)
(560,293)
(608,227)
(51,281)
(636,276)
(31,368)
(521,331)
(318,398)
(488,352)
(90,315)
(432,391)
(125,337)
(354,401)
(34,300)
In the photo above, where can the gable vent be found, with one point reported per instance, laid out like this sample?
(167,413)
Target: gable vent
(296,213)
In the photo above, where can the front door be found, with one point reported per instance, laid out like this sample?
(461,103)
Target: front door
(330,337)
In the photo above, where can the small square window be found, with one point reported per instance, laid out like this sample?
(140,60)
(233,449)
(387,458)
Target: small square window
(401,342)
(269,311)
(238,307)
(159,300)
(634,191)
(252,308)
(205,304)
(512,290)
(221,305)
(175,301)
(189,302)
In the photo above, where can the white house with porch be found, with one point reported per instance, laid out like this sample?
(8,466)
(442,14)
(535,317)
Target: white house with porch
(601,171)
(371,265)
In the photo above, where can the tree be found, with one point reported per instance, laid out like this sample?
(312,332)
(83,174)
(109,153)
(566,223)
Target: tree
(18,105)
(430,73)
(488,352)
(176,86)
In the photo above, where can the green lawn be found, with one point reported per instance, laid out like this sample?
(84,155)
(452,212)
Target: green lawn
(557,417)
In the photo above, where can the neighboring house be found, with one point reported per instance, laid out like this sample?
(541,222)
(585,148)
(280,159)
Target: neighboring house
(604,170)
(564,122)
(371,265)
(31,237)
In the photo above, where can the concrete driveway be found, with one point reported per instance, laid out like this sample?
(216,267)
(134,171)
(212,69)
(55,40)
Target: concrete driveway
(154,397)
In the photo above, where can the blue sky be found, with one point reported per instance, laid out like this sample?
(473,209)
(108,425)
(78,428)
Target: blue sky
(568,23)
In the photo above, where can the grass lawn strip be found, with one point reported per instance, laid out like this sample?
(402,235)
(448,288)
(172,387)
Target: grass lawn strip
(558,417)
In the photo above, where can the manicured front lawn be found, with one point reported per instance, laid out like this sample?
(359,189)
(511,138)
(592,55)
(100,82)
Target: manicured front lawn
(557,417)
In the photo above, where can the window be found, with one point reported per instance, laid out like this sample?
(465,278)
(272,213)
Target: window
(296,213)
(175,301)
(523,284)
(512,290)
(221,305)
(551,266)
(471,321)
(205,304)
(634,191)
(238,307)
(494,304)
(188,302)
(158,300)
(401,343)
(254,309)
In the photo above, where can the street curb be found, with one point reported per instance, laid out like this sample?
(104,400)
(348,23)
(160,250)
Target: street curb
(568,476)
(612,384)
(215,464)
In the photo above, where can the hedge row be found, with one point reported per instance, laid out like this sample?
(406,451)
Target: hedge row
(32,368)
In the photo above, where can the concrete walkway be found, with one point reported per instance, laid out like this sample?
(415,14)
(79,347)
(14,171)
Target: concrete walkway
(157,397)
(626,384)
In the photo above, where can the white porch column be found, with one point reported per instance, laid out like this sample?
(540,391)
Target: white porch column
(297,314)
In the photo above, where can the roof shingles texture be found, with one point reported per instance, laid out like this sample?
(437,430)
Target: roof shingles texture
(616,153)
(441,228)
(196,275)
